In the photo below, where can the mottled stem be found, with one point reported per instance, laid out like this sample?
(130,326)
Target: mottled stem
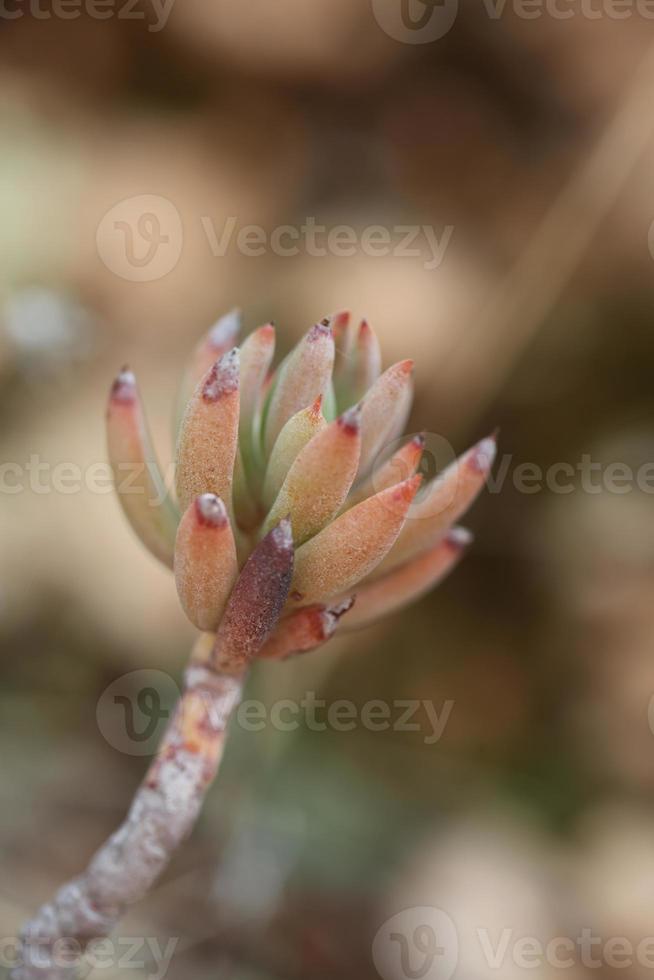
(162,814)
(168,801)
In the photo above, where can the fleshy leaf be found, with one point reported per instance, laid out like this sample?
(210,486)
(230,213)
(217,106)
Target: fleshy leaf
(205,561)
(137,477)
(303,376)
(208,437)
(409,582)
(297,432)
(442,503)
(400,466)
(304,630)
(256,357)
(320,478)
(351,546)
(360,368)
(384,411)
(256,601)
(219,339)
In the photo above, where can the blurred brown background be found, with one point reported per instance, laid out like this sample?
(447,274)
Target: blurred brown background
(533,137)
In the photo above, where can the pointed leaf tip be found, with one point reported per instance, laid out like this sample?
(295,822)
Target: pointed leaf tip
(350,421)
(226,329)
(211,510)
(303,375)
(403,585)
(444,500)
(223,377)
(124,387)
(459,538)
(482,456)
(407,490)
(139,483)
(282,534)
(321,329)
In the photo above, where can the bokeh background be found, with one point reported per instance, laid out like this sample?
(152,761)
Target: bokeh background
(534,139)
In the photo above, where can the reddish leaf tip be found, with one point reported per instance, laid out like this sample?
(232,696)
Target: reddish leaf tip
(407,490)
(350,421)
(222,377)
(322,329)
(123,389)
(406,367)
(210,510)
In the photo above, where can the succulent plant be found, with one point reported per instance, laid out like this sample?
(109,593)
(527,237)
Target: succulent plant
(296,513)
(302,445)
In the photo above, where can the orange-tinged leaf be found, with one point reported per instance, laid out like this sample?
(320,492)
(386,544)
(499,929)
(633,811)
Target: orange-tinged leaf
(304,630)
(256,357)
(409,582)
(205,561)
(219,339)
(297,432)
(303,376)
(359,369)
(320,478)
(384,411)
(441,504)
(139,484)
(351,546)
(208,437)
(400,466)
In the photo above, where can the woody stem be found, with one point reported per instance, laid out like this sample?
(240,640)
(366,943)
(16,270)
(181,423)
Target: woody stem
(163,812)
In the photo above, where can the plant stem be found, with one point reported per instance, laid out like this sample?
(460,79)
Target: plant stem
(162,814)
